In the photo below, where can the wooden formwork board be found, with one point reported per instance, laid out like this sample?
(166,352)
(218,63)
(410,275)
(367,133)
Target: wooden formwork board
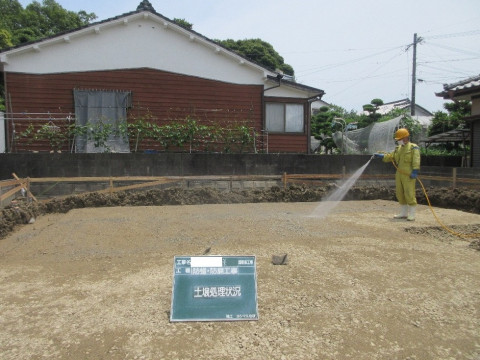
(140,181)
(9,188)
(310,178)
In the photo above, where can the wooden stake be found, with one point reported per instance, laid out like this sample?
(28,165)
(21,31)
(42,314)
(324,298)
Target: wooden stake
(25,186)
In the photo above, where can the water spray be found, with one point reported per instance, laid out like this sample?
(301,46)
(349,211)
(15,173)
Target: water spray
(333,199)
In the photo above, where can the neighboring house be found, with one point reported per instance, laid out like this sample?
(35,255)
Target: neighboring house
(468,89)
(404,104)
(317,104)
(422,115)
(143,63)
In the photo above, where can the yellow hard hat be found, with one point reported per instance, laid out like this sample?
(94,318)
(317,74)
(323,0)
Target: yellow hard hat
(401,133)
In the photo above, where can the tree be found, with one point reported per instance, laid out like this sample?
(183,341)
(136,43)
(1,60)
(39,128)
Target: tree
(258,51)
(37,21)
(372,116)
(446,121)
(454,118)
(10,11)
(323,125)
(5,39)
(413,125)
(183,23)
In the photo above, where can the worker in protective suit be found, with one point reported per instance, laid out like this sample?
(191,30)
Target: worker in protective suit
(406,158)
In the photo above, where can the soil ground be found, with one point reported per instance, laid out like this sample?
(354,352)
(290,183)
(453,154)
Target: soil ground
(96,283)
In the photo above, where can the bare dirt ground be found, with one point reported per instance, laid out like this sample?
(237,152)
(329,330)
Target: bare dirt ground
(96,283)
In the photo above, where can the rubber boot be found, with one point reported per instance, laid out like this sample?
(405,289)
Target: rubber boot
(411,213)
(403,212)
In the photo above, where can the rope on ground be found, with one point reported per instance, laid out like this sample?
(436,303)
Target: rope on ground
(445,227)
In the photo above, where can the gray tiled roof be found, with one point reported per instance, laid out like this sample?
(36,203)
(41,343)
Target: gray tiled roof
(464,84)
(463,87)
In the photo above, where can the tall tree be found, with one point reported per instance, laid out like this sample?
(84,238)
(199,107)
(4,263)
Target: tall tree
(323,125)
(259,51)
(37,21)
(5,39)
(454,118)
(10,21)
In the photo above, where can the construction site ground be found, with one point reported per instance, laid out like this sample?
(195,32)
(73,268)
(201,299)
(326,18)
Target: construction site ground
(91,276)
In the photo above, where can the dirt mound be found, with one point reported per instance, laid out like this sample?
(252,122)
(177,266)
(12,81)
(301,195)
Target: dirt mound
(464,199)
(466,232)
(20,212)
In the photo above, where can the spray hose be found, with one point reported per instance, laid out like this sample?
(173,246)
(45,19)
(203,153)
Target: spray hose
(445,227)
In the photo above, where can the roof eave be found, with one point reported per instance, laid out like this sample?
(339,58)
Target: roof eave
(458,94)
(314,92)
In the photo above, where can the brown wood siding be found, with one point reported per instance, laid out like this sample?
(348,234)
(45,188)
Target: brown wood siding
(164,96)
(279,143)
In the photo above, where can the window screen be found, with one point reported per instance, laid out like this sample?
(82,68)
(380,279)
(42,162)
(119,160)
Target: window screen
(284,117)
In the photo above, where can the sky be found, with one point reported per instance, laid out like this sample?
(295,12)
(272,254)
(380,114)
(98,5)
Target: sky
(354,50)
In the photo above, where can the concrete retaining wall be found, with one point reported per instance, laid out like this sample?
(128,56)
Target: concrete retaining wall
(181,164)
(209,166)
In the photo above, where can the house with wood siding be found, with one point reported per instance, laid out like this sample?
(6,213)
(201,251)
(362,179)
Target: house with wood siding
(144,64)
(468,89)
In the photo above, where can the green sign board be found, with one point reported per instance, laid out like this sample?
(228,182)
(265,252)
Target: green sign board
(214,288)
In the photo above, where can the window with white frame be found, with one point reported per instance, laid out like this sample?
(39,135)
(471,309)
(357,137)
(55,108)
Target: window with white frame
(284,117)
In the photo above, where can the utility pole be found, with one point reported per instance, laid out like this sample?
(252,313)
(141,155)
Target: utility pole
(414,75)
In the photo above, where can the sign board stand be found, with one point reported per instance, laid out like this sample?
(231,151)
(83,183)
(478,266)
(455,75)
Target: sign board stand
(214,288)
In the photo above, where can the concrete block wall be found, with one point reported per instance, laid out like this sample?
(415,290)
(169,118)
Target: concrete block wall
(181,164)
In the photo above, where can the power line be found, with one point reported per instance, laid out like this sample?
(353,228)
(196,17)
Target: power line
(453,49)
(451,35)
(448,70)
(433,68)
(389,75)
(369,76)
(316,69)
(332,66)
(446,61)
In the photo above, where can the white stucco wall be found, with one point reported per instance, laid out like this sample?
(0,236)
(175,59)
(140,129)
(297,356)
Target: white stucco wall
(133,42)
(141,40)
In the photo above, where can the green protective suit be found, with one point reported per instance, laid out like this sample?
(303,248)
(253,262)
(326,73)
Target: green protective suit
(406,158)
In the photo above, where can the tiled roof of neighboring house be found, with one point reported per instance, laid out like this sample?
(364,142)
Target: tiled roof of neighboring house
(387,107)
(405,101)
(461,87)
(399,104)
(449,136)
